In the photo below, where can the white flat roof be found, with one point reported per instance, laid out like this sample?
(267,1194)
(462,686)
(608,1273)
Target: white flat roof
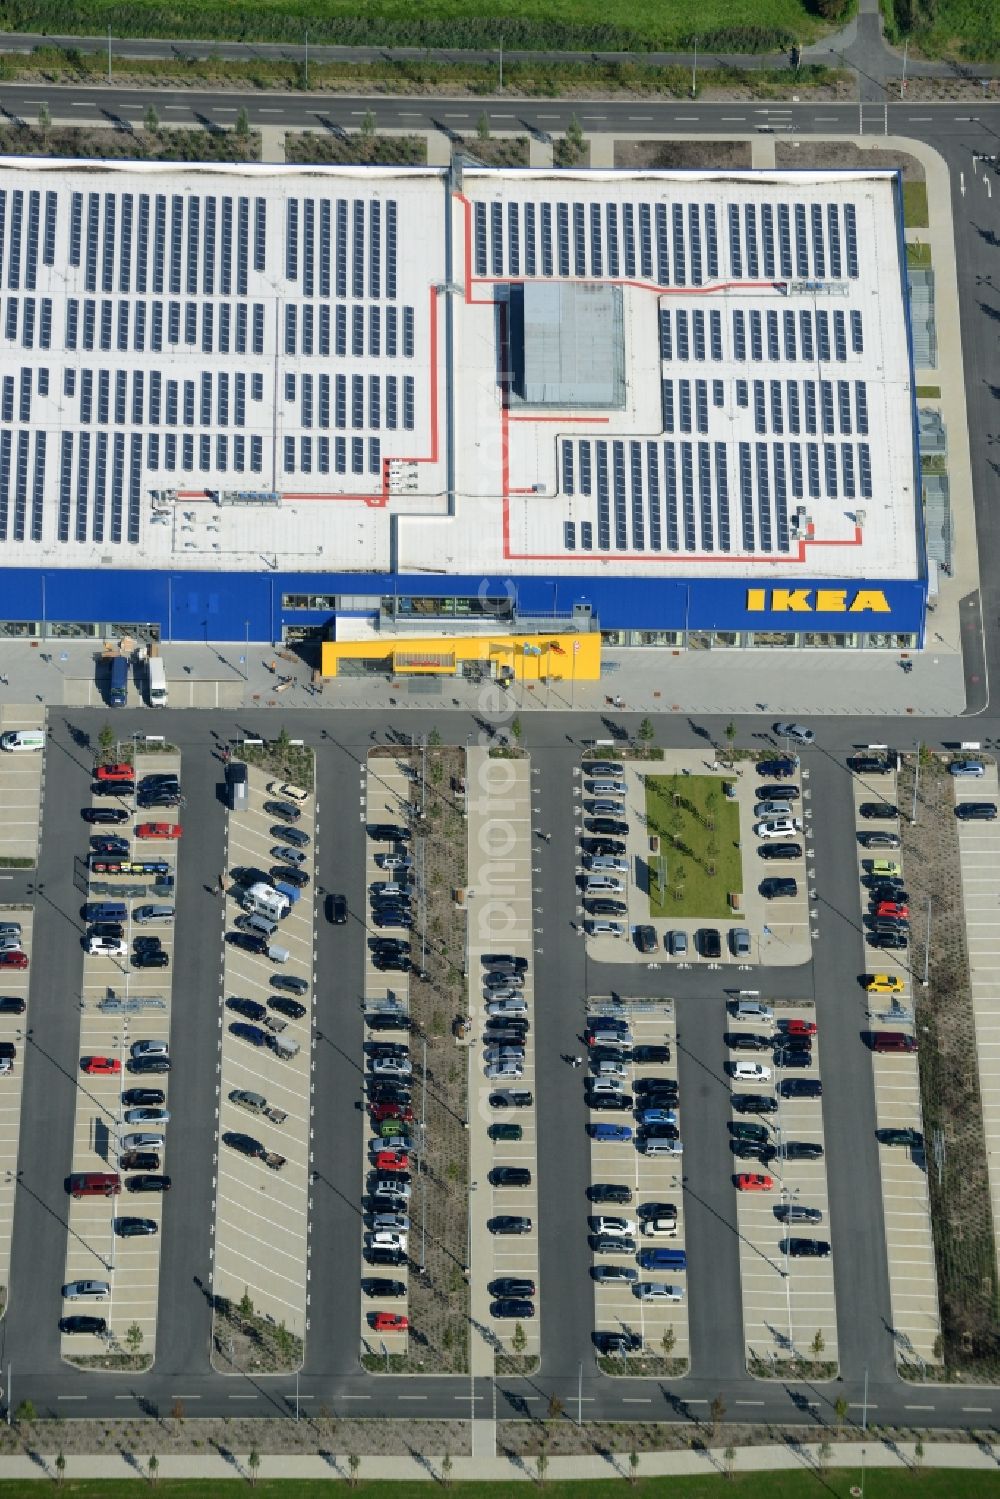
(212,328)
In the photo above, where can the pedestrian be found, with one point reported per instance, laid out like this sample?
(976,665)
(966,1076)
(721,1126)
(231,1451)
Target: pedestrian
(578,1062)
(547,837)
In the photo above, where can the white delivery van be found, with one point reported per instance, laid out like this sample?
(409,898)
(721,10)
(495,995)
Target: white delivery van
(156,683)
(23,739)
(264,900)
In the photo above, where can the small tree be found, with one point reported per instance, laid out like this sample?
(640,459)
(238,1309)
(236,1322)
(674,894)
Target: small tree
(818,1343)
(353,1464)
(729,1459)
(44,117)
(152,120)
(153,1468)
(840,1409)
(246,1303)
(106,738)
(669,1341)
(918,1452)
(938,1349)
(446,1466)
(242,126)
(366,131)
(542,1466)
(519,1339)
(60,1466)
(730,738)
(483,126)
(717,1410)
(574,138)
(434,740)
(516,729)
(253,1464)
(646,731)
(134,1338)
(824,1452)
(633,1466)
(556,1407)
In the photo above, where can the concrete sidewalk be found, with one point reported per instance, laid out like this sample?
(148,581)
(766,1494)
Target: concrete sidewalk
(848,1456)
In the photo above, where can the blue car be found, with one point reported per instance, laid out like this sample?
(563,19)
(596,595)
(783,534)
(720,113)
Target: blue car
(609,1131)
(657,1116)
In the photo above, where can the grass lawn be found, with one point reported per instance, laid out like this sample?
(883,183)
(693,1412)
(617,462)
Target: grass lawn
(687,843)
(721,25)
(793,1484)
(919,257)
(915,205)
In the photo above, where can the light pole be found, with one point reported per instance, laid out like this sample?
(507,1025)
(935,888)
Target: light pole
(579,1396)
(109,54)
(501,65)
(927,944)
(468,1232)
(916,785)
(694,71)
(306,79)
(902,86)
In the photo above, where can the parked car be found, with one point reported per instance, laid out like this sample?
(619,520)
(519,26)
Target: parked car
(974,768)
(796,731)
(108,816)
(170,831)
(780,851)
(976,811)
(509,1223)
(799,1249)
(879,840)
(97,1327)
(778,888)
(613,1192)
(879,811)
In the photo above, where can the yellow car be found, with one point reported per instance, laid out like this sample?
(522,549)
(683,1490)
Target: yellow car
(884,983)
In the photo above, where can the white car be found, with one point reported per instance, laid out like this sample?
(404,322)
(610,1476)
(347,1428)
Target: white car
(658,1290)
(391,1067)
(391,1222)
(615,1228)
(603,884)
(149,1049)
(293,793)
(86,1290)
(605,1088)
(659,1228)
(107,947)
(10,944)
(796,731)
(142,1140)
(781,827)
(508,1071)
(147,1116)
(604,929)
(386,1238)
(773,809)
(609,1069)
(607,864)
(387,1186)
(749,1072)
(513,1005)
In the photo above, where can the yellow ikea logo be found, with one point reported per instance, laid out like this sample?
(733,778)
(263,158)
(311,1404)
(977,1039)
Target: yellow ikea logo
(816,601)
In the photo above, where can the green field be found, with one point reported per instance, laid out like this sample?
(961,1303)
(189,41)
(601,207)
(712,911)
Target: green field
(915,205)
(703,862)
(946,28)
(794,1484)
(723,25)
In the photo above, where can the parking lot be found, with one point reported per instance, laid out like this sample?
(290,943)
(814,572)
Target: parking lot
(789,1308)
(387,990)
(906,1206)
(14,1019)
(21,785)
(501,1109)
(265,1086)
(645,1302)
(122,1005)
(617,912)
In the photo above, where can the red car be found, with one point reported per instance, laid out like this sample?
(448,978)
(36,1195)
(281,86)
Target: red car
(388,1321)
(100,1066)
(13,960)
(753,1181)
(799,1027)
(381,1111)
(113,773)
(392,1160)
(158,830)
(891,908)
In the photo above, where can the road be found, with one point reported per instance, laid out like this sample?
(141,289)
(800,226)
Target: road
(28,1340)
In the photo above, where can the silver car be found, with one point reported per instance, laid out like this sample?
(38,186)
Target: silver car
(143,915)
(86,1290)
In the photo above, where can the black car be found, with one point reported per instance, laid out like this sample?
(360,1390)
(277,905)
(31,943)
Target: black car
(148,1064)
(386,1090)
(154,1183)
(777,888)
(879,811)
(800,1150)
(376,1255)
(605,907)
(247,942)
(792,1056)
(388,832)
(777,767)
(747,1041)
(289,876)
(387,917)
(510,1176)
(284,811)
(153,957)
(246,874)
(288,1007)
(659,1132)
(110,929)
(911,1137)
(295,836)
(512,1285)
(805,1249)
(892,941)
(656,1210)
(976,811)
(507,1023)
(158,799)
(250,1009)
(777,793)
(159,778)
(503,960)
(610,847)
(388,944)
(509,1223)
(617,1342)
(388,1022)
(11,1004)
(139,1160)
(744,1130)
(879,840)
(387,1049)
(751,1150)
(611,826)
(708,942)
(600,1102)
(336,910)
(391,962)
(868,765)
(800,1087)
(107,815)
(780,851)
(754,1103)
(128,1227)
(511,1098)
(112,788)
(659,1085)
(615,1192)
(611,1244)
(894,892)
(795,1212)
(512,1306)
(251,1033)
(96,1326)
(139,1098)
(109,845)
(645,938)
(378,1286)
(504,1037)
(290,983)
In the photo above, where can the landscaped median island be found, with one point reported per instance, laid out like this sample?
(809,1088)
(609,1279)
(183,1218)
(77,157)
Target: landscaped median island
(697,864)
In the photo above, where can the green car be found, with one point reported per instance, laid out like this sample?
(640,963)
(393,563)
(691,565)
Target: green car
(505,1132)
